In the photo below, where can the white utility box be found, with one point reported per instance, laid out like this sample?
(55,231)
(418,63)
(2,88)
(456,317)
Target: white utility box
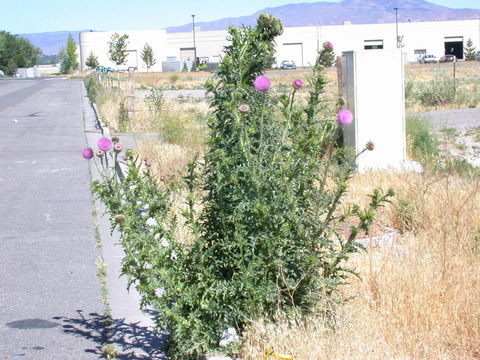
(373,88)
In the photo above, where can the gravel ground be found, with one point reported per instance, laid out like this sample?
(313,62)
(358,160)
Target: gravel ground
(463,126)
(460,119)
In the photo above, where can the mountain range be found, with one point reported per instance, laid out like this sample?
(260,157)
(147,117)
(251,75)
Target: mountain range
(355,11)
(305,14)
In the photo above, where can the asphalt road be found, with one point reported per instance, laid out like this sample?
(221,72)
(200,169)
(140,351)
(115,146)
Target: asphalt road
(50,304)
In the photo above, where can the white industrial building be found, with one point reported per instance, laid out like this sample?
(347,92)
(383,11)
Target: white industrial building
(300,44)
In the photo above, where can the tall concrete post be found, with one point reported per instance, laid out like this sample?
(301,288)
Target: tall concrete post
(373,89)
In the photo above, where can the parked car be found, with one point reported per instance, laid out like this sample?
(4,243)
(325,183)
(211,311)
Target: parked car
(477,55)
(448,58)
(288,64)
(427,58)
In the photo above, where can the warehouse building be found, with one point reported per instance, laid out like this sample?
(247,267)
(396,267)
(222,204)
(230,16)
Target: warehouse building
(299,44)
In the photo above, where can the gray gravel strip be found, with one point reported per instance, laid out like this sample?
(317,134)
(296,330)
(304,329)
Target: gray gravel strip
(461,119)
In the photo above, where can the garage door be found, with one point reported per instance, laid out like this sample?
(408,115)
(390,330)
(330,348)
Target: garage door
(293,51)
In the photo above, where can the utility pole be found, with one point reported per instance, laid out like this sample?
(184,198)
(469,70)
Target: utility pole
(194,46)
(396,24)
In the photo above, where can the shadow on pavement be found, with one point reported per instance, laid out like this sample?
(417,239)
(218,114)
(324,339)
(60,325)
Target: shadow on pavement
(133,342)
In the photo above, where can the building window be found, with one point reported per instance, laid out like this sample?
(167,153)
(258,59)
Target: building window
(420,52)
(373,44)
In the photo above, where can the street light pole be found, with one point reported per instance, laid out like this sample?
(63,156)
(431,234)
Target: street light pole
(194,46)
(396,24)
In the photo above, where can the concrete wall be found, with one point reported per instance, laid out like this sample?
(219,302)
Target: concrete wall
(373,87)
(429,36)
(296,43)
(97,42)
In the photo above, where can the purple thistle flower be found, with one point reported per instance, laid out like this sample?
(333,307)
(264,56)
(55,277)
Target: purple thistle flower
(117,148)
(244,108)
(329,45)
(119,218)
(297,83)
(104,144)
(344,117)
(262,83)
(370,146)
(99,153)
(87,153)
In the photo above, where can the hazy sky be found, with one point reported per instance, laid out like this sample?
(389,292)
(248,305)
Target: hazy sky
(52,15)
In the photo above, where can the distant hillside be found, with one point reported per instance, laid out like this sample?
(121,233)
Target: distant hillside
(355,11)
(51,42)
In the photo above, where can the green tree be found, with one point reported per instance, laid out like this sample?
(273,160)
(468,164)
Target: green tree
(117,48)
(470,51)
(148,57)
(71,52)
(68,56)
(16,52)
(48,59)
(65,65)
(92,61)
(194,66)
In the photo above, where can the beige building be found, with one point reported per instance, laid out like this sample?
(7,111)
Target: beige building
(296,43)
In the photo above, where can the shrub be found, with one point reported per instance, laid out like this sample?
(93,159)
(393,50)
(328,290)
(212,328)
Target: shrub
(93,86)
(442,90)
(422,142)
(155,100)
(261,207)
(122,116)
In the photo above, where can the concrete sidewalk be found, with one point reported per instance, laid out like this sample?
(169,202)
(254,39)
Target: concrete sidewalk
(132,331)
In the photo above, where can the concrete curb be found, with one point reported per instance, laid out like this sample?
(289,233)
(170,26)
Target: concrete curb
(133,330)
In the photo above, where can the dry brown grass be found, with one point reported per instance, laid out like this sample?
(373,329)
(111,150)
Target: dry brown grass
(185,80)
(417,72)
(418,298)
(426,72)
(168,160)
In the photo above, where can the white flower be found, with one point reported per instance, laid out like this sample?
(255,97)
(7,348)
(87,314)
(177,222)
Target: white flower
(174,255)
(132,187)
(228,336)
(159,292)
(164,242)
(156,236)
(151,222)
